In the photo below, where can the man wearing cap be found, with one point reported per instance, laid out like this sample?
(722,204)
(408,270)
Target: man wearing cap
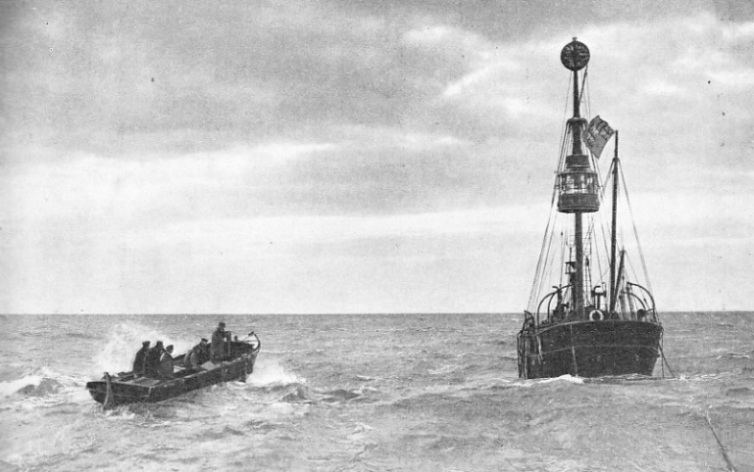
(217,348)
(166,363)
(140,359)
(198,355)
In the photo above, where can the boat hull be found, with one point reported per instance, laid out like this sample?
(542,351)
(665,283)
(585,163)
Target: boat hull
(589,349)
(125,388)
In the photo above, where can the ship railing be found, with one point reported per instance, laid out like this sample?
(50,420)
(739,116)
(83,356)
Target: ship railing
(651,310)
(559,290)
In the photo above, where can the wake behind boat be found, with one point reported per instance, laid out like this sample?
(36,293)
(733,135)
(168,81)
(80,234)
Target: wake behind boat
(231,359)
(595,318)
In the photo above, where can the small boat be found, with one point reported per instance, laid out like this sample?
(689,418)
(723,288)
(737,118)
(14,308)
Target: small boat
(126,387)
(591,313)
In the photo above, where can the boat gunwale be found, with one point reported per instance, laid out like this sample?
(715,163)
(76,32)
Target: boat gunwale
(131,392)
(539,329)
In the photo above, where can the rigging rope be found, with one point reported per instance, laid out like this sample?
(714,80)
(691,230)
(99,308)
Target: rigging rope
(583,83)
(535,289)
(542,262)
(636,233)
(604,221)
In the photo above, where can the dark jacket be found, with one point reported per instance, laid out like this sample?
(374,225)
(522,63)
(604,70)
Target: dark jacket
(166,365)
(197,356)
(217,349)
(152,362)
(139,361)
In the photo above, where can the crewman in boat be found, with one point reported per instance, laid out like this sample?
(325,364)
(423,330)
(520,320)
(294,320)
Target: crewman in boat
(166,363)
(198,355)
(217,348)
(152,362)
(140,359)
(205,349)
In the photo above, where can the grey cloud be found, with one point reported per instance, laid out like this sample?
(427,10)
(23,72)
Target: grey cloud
(107,73)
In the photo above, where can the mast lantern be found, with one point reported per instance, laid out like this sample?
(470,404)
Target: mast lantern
(578,191)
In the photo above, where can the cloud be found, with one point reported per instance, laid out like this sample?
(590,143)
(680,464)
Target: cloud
(146,188)
(248,72)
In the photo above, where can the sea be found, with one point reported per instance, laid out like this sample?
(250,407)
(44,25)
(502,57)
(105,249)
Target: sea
(414,392)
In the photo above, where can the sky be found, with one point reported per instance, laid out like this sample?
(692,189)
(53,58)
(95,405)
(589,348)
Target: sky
(357,157)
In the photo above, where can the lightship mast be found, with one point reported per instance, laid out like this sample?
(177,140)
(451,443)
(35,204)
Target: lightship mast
(577,180)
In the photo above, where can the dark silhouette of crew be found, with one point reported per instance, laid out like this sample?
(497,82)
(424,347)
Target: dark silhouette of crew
(198,355)
(140,359)
(218,351)
(166,363)
(152,363)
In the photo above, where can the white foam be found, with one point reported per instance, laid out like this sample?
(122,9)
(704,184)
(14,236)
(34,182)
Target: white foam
(38,377)
(269,373)
(564,378)
(13,386)
(527,383)
(124,340)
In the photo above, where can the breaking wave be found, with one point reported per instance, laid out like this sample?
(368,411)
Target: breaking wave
(125,338)
(44,385)
(271,374)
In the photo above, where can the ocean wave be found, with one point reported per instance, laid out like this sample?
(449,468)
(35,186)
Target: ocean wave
(734,355)
(563,378)
(122,413)
(21,386)
(445,369)
(619,379)
(739,392)
(42,390)
(270,374)
(261,425)
(77,335)
(41,382)
(567,378)
(713,377)
(124,340)
(365,378)
(300,394)
(340,394)
(487,382)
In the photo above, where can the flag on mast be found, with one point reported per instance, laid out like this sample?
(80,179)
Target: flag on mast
(596,135)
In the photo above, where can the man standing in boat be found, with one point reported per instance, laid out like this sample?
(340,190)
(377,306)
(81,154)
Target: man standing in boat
(217,348)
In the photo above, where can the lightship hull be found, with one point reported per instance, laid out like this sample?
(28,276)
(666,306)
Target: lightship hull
(589,349)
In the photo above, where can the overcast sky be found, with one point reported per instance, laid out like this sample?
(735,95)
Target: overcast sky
(352,156)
